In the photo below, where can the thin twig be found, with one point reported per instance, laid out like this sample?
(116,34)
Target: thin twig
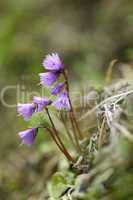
(101,134)
(123,130)
(105,101)
(109,73)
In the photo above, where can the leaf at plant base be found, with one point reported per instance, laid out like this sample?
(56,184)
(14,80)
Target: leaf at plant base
(57,185)
(38,119)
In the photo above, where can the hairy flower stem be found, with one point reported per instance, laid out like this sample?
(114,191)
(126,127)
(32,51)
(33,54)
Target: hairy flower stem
(69,134)
(72,115)
(75,136)
(66,154)
(58,140)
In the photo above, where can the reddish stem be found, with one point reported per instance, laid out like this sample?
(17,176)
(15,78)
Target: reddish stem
(72,115)
(69,135)
(58,140)
(67,155)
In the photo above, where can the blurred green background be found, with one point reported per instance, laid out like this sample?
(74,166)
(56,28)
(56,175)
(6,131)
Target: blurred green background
(87,34)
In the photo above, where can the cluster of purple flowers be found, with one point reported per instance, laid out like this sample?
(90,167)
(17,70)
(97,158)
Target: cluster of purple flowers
(54,68)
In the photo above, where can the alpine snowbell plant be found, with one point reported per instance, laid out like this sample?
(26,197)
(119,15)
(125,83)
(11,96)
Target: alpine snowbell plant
(54,71)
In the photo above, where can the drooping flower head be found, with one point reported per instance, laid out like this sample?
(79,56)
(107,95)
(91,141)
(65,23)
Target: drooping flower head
(52,62)
(41,103)
(28,136)
(62,103)
(56,90)
(48,78)
(26,110)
